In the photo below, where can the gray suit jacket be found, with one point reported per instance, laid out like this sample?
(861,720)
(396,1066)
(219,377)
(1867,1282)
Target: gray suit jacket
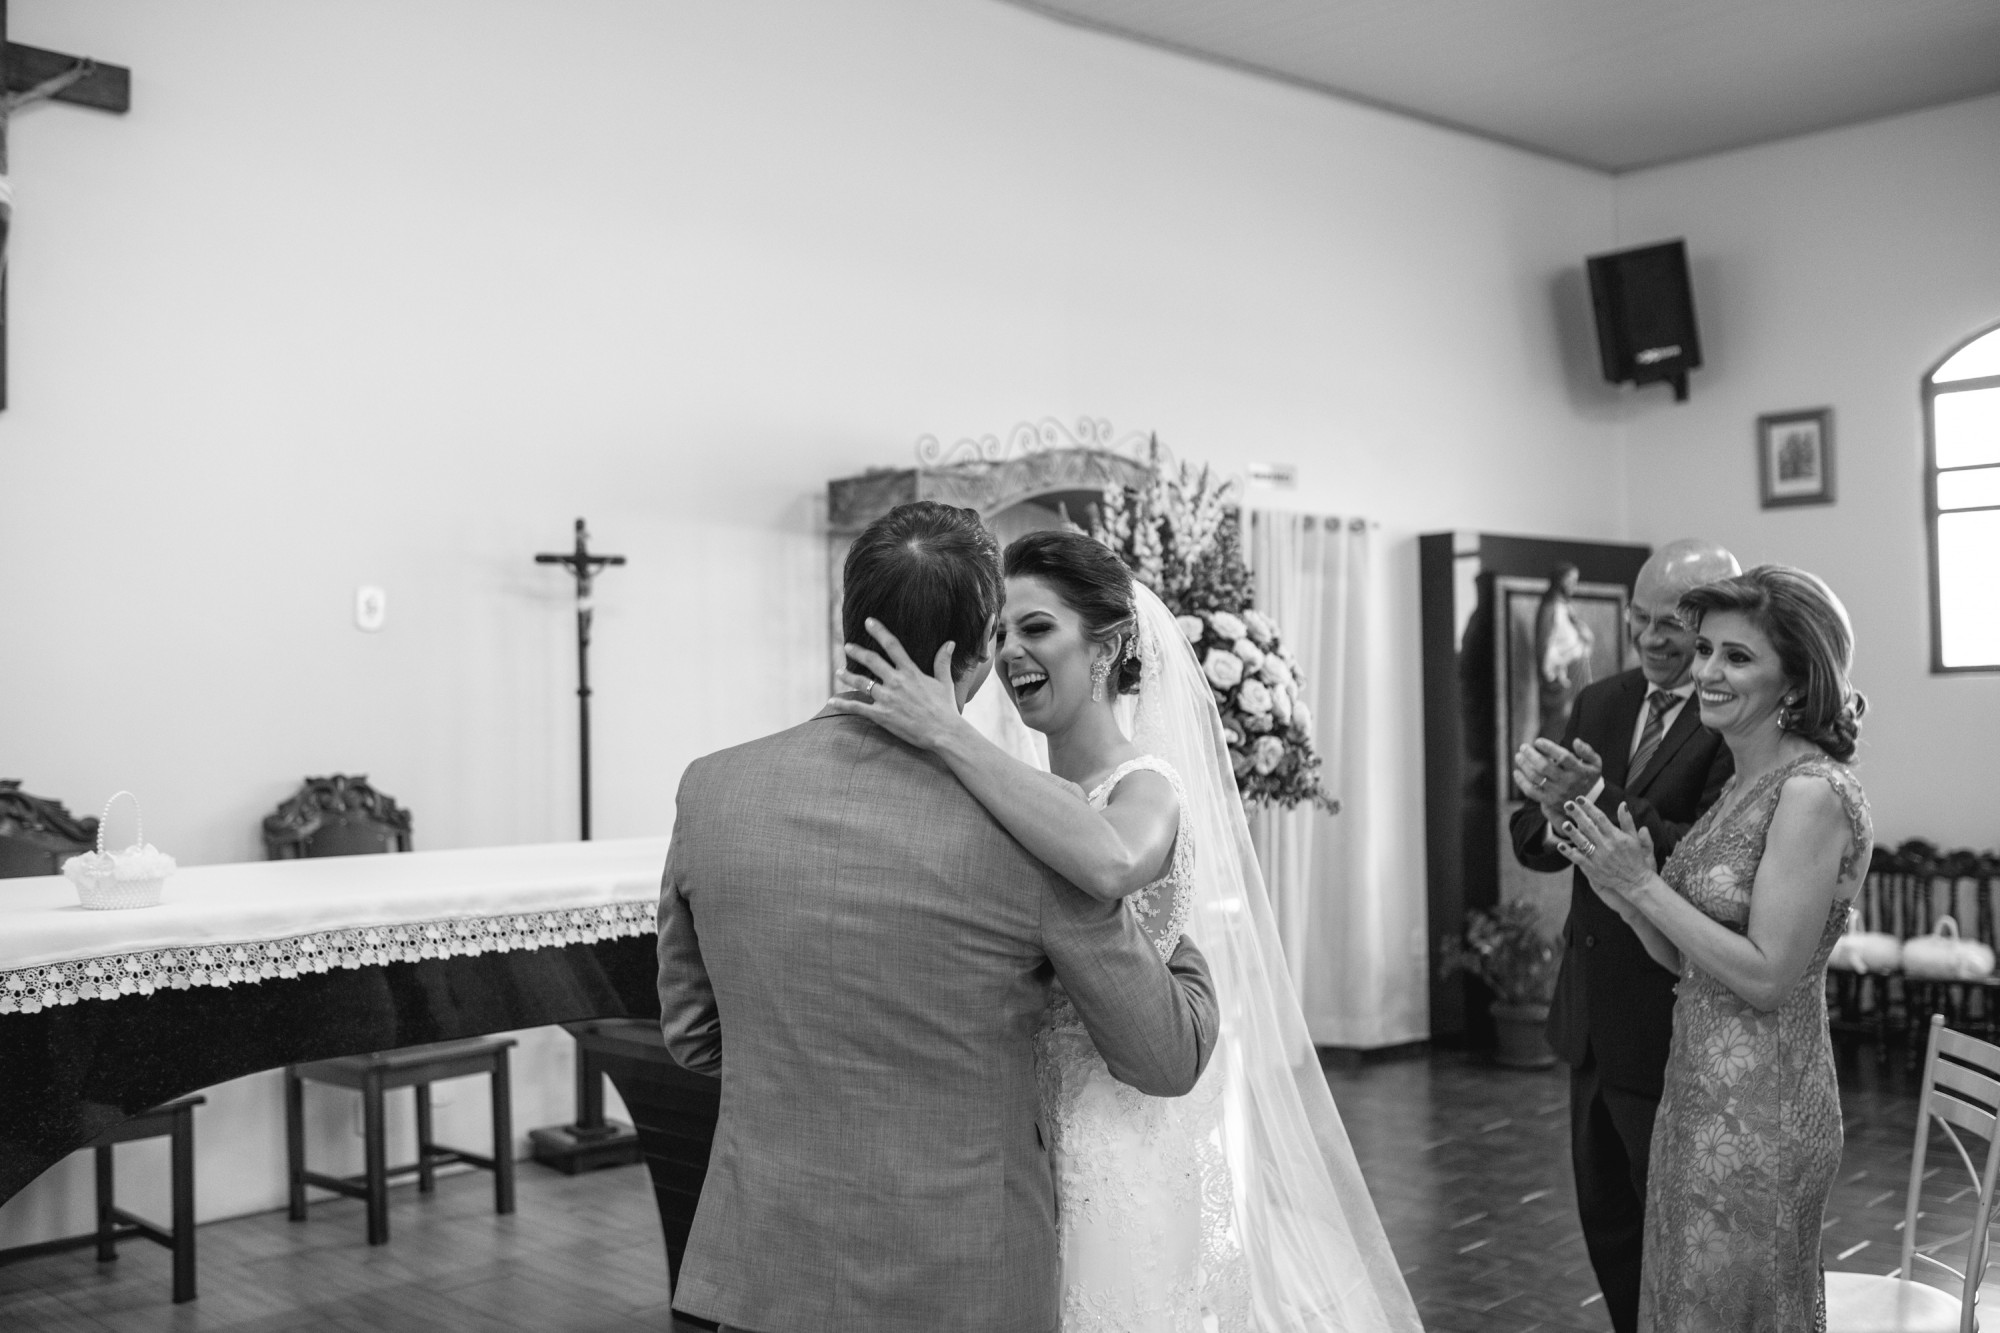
(861,953)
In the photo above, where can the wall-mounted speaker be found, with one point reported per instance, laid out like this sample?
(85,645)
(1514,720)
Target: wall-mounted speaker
(1645,315)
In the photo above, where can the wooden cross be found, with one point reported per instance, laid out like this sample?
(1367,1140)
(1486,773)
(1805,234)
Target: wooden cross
(30,74)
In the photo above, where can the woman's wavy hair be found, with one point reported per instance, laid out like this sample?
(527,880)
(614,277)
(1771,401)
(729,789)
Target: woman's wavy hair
(1814,639)
(1093,582)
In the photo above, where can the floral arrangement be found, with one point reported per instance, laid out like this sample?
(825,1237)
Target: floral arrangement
(1505,948)
(1181,537)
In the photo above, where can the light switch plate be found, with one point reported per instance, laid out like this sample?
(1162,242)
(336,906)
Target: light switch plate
(371,608)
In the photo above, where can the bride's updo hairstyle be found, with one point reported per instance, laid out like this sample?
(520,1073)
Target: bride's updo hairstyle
(1092,582)
(1814,640)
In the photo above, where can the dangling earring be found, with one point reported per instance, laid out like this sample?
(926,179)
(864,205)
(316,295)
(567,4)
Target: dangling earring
(1101,670)
(1788,715)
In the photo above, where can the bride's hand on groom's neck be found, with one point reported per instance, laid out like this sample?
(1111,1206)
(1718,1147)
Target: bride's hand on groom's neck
(899,696)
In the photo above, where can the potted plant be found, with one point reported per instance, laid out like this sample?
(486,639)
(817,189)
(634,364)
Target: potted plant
(1505,948)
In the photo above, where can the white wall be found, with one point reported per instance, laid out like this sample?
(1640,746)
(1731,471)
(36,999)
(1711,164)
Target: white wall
(390,293)
(374,292)
(1835,271)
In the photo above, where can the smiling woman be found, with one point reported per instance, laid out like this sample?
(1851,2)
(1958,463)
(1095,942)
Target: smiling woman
(1780,633)
(1747,909)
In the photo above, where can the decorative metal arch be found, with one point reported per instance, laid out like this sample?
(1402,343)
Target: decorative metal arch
(990,474)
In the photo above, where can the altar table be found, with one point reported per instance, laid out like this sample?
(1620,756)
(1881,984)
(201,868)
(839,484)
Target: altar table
(256,965)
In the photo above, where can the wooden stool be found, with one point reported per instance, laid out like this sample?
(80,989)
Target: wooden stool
(172,1120)
(411,1067)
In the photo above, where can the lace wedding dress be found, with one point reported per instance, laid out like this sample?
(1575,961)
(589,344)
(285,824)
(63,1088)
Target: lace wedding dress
(1241,1205)
(1145,1209)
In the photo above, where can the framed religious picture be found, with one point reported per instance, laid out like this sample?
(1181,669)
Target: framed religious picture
(1795,458)
(1556,635)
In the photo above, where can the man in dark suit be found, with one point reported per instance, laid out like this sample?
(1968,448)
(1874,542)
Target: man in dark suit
(1634,740)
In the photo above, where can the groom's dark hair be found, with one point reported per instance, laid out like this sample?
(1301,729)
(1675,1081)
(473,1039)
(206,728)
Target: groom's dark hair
(929,572)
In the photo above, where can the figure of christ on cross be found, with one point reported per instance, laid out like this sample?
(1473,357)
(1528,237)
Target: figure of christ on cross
(584,565)
(30,74)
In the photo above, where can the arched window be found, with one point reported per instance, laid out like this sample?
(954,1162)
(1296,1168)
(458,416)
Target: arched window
(1962,429)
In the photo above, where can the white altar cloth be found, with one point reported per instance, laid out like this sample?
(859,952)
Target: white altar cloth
(252,921)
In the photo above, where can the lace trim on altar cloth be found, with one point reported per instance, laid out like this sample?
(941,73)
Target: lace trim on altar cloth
(32,989)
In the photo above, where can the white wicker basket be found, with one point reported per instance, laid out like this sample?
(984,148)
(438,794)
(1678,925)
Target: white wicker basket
(110,881)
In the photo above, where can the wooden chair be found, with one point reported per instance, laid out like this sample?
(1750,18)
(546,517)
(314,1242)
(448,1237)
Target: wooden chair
(1961,1091)
(174,1121)
(1930,884)
(336,816)
(37,835)
(415,1067)
(344,816)
(1869,1005)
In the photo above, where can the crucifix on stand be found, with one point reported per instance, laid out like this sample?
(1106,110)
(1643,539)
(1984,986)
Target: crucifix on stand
(584,566)
(30,74)
(592,1141)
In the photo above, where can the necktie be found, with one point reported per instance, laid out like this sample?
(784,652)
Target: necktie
(1658,702)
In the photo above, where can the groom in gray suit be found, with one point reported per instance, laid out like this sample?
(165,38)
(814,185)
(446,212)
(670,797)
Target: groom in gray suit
(862,954)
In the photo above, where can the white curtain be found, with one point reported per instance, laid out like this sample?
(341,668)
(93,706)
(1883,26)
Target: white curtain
(1342,940)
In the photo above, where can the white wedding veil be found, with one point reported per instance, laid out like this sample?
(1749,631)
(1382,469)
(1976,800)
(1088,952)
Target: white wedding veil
(1318,1258)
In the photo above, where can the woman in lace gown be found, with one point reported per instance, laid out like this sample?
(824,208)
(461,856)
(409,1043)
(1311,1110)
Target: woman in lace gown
(1238,1207)
(1747,1140)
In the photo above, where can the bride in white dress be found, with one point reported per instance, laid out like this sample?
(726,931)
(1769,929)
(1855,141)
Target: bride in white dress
(1238,1207)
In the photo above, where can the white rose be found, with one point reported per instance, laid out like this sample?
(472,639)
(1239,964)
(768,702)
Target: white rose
(1223,669)
(1260,627)
(1252,655)
(1281,704)
(1276,672)
(1227,626)
(1302,718)
(1253,698)
(1191,626)
(1267,754)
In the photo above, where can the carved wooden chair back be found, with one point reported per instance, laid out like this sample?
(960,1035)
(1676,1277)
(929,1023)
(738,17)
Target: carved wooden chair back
(37,834)
(336,816)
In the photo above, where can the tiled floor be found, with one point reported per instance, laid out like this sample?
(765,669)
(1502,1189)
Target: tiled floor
(1469,1165)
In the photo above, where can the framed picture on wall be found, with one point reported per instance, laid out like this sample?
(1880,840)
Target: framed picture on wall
(1795,458)
(1556,635)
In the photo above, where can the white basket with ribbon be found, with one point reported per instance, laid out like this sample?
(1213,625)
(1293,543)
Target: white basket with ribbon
(1943,956)
(1866,950)
(107,881)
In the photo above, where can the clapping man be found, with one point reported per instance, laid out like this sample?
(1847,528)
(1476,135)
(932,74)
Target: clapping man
(1635,740)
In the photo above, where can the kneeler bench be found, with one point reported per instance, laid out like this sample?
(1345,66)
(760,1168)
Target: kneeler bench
(674,1112)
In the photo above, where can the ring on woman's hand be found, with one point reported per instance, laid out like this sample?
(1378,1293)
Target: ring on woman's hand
(868,688)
